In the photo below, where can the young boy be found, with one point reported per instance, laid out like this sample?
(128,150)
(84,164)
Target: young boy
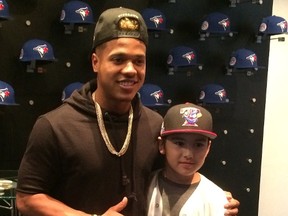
(178,188)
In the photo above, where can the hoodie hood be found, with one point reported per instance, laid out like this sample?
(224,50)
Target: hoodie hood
(81,99)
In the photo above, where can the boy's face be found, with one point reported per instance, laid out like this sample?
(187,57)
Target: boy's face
(185,154)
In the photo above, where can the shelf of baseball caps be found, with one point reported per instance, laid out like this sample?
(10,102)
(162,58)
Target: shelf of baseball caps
(39,84)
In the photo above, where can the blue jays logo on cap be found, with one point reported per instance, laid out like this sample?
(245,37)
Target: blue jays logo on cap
(243,59)
(213,93)
(76,12)
(41,49)
(272,25)
(182,56)
(157,95)
(4,10)
(154,19)
(158,20)
(6,94)
(83,12)
(216,23)
(190,115)
(190,56)
(36,49)
(152,95)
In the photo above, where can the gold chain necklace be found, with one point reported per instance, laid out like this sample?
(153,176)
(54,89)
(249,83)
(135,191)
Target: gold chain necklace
(105,135)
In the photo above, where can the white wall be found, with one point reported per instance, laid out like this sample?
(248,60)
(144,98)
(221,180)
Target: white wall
(274,171)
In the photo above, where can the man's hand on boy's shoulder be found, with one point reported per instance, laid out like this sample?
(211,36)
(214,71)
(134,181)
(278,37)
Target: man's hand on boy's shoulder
(232,206)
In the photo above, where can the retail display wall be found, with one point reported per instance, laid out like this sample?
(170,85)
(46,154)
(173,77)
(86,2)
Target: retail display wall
(235,158)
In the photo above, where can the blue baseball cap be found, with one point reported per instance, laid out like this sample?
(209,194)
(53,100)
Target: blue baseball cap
(155,19)
(273,25)
(244,59)
(36,49)
(4,10)
(182,56)
(77,12)
(213,94)
(68,90)
(7,95)
(152,95)
(216,23)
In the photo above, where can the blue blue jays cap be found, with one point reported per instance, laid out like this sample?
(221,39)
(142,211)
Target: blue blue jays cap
(182,56)
(68,90)
(155,19)
(152,95)
(213,94)
(7,96)
(77,12)
(216,23)
(273,25)
(4,10)
(244,59)
(38,50)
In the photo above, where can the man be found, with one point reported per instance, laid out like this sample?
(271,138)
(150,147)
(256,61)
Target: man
(99,147)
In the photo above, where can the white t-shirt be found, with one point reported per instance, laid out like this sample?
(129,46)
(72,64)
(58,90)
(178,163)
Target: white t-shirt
(208,199)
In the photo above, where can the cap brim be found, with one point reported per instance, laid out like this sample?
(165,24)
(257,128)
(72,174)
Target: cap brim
(209,134)
(213,104)
(9,104)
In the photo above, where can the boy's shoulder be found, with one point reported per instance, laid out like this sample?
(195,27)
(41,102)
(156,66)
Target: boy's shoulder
(210,185)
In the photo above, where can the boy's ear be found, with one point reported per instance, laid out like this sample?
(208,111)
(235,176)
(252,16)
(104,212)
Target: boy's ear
(161,145)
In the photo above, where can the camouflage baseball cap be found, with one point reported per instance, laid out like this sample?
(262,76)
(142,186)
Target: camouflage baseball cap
(188,118)
(117,23)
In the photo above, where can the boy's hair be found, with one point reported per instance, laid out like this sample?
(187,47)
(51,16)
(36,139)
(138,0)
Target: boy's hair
(188,118)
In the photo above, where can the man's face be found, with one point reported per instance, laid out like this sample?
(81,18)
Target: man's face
(120,65)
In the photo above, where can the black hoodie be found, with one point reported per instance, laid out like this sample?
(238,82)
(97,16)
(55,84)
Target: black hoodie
(67,158)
